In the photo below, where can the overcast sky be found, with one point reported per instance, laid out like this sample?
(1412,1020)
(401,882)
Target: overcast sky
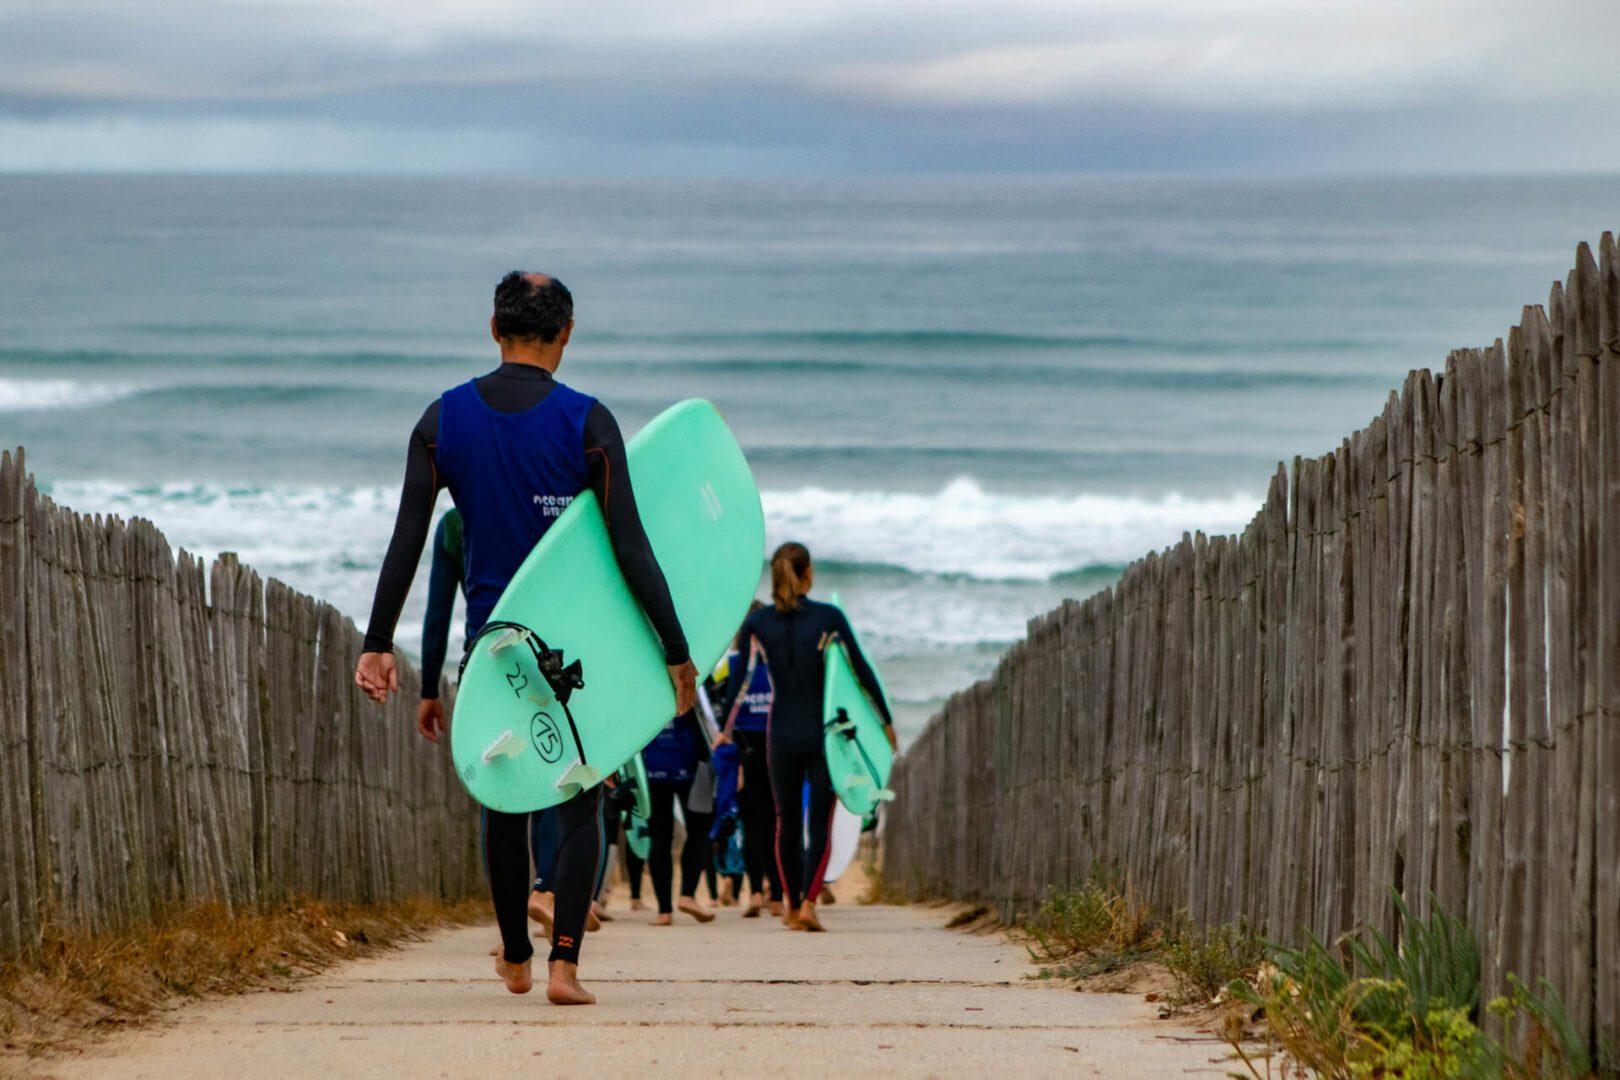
(823,87)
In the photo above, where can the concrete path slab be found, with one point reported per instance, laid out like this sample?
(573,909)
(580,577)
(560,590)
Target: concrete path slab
(886,992)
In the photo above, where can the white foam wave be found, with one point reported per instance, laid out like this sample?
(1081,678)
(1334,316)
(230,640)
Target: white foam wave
(965,530)
(326,541)
(39,395)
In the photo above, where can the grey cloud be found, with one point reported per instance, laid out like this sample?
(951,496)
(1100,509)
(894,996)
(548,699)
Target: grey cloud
(928,85)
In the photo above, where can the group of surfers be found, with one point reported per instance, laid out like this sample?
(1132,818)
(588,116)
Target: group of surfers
(514,447)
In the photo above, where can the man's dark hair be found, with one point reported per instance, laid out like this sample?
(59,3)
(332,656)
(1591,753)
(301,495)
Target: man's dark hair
(525,311)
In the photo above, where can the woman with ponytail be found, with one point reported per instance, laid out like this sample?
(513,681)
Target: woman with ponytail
(792,634)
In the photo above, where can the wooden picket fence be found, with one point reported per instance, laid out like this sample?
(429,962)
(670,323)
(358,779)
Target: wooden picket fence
(172,733)
(1405,672)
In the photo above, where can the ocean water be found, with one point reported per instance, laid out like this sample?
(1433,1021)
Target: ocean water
(969,398)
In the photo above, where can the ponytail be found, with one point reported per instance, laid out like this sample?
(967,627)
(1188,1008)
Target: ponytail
(789,565)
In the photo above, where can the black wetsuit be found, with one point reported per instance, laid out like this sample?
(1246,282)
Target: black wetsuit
(794,644)
(514,388)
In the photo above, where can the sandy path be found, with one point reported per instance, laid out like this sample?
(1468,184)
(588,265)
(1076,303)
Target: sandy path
(887,992)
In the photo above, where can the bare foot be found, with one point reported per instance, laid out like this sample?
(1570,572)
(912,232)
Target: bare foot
(728,894)
(792,921)
(827,896)
(637,905)
(777,909)
(592,923)
(540,910)
(690,906)
(519,978)
(807,916)
(564,988)
(599,913)
(663,918)
(755,904)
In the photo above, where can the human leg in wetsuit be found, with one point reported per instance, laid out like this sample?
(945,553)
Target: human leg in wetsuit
(698,853)
(506,859)
(758,810)
(634,869)
(610,832)
(795,759)
(660,856)
(710,875)
(543,840)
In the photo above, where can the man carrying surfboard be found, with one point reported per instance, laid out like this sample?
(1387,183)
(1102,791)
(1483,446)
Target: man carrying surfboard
(515,447)
(444,583)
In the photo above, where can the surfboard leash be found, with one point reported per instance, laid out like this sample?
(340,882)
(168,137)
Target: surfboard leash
(563,678)
(846,727)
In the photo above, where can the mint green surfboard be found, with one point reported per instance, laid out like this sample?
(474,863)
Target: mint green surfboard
(568,680)
(858,754)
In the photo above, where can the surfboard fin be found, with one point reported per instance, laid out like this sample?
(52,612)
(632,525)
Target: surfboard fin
(577,778)
(860,780)
(507,639)
(506,744)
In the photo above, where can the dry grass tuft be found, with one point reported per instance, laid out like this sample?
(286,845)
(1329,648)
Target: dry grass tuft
(83,981)
(1096,917)
(881,891)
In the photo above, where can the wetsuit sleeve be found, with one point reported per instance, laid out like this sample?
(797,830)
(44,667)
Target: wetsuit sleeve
(737,673)
(443,581)
(410,533)
(863,670)
(610,480)
(699,737)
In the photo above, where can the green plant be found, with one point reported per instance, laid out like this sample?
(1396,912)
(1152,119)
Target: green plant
(1437,962)
(1204,962)
(1097,915)
(1380,1008)
(1550,1046)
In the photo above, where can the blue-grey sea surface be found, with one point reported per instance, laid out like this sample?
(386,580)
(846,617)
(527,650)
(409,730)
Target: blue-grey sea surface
(969,398)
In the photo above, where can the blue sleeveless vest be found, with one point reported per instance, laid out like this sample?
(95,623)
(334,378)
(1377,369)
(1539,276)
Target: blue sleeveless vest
(753,707)
(511,475)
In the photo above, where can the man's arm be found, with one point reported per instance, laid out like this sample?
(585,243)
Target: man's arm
(376,673)
(739,672)
(610,480)
(443,580)
(863,670)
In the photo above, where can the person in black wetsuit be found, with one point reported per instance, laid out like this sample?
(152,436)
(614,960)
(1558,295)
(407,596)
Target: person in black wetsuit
(793,634)
(514,447)
(747,719)
(672,765)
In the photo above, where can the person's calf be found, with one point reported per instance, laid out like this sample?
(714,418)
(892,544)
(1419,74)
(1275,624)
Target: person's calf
(540,910)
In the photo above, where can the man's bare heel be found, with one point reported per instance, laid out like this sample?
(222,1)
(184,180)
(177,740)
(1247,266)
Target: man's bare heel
(563,987)
(519,978)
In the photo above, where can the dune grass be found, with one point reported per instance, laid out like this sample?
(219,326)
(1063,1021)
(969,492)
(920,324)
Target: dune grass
(80,983)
